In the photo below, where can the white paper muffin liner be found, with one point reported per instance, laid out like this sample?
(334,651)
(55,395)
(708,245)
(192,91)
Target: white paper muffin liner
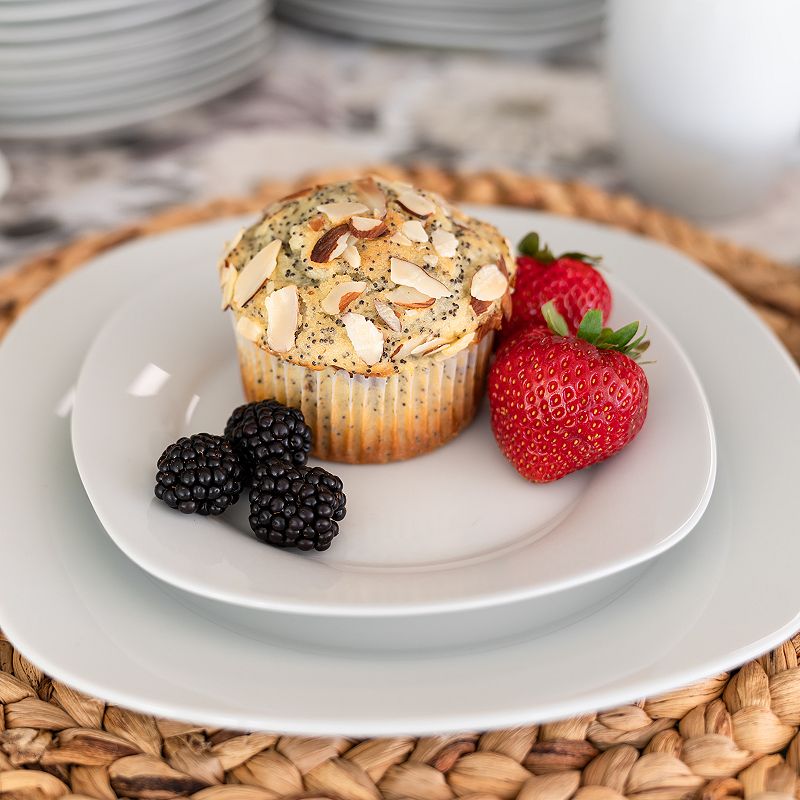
(358,419)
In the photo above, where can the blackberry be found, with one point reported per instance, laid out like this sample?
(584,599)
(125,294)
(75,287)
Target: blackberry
(200,474)
(295,506)
(268,429)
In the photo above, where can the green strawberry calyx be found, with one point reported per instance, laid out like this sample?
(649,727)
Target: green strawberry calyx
(591,330)
(531,245)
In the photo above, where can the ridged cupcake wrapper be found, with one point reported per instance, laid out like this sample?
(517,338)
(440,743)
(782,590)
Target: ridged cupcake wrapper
(358,419)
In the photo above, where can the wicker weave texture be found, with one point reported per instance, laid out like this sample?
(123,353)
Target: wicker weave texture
(733,735)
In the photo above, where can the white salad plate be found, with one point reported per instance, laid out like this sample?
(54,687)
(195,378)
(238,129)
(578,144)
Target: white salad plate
(453,530)
(75,605)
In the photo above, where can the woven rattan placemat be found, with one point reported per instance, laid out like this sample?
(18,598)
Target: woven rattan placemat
(733,735)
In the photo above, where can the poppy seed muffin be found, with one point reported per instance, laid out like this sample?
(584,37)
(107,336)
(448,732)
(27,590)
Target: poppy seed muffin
(371,306)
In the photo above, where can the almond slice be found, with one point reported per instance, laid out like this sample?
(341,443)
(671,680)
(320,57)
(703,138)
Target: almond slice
(256,272)
(415,203)
(457,346)
(404,350)
(400,238)
(365,336)
(352,256)
(372,194)
(342,295)
(407,297)
(367,227)
(488,283)
(388,315)
(444,243)
(413,229)
(501,265)
(330,245)
(479,306)
(407,274)
(282,318)
(233,243)
(227,284)
(430,347)
(249,329)
(317,223)
(341,211)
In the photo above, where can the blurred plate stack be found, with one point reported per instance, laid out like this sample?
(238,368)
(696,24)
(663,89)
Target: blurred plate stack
(72,67)
(525,25)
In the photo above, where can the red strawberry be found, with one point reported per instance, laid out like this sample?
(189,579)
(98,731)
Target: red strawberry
(569,280)
(561,402)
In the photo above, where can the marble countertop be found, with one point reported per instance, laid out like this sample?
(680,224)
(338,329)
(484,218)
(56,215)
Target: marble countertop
(351,103)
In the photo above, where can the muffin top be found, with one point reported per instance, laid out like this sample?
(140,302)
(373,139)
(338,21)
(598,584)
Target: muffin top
(369,276)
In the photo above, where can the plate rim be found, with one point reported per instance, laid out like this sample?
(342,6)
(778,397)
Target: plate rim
(428,720)
(82,433)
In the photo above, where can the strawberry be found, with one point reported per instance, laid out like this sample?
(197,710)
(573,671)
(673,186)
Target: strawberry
(569,280)
(561,402)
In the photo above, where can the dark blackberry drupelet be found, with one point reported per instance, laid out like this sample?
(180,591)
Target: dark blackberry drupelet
(200,474)
(295,506)
(268,429)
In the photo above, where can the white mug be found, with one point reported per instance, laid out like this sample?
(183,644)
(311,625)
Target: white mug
(706,98)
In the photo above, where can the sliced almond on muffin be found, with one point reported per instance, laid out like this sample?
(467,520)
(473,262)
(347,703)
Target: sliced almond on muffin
(367,227)
(407,274)
(340,297)
(444,243)
(331,244)
(416,204)
(365,336)
(388,315)
(341,211)
(256,272)
(282,317)
(249,329)
(488,283)
(407,297)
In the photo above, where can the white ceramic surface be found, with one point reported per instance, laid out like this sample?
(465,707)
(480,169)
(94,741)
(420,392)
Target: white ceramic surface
(451,530)
(137,90)
(705,94)
(18,32)
(484,27)
(75,605)
(181,48)
(104,88)
(111,67)
(167,33)
(120,117)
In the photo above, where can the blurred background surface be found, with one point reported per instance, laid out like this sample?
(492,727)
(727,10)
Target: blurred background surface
(113,109)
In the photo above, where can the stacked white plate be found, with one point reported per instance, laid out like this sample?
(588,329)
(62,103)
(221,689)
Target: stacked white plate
(525,25)
(457,595)
(71,68)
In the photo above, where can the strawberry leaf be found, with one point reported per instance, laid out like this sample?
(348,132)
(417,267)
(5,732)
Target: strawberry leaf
(591,325)
(621,340)
(554,320)
(593,260)
(532,246)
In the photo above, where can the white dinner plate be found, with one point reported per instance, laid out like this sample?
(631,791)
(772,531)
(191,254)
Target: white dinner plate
(75,605)
(137,18)
(120,117)
(451,530)
(411,35)
(531,20)
(104,89)
(150,55)
(203,19)
(137,93)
